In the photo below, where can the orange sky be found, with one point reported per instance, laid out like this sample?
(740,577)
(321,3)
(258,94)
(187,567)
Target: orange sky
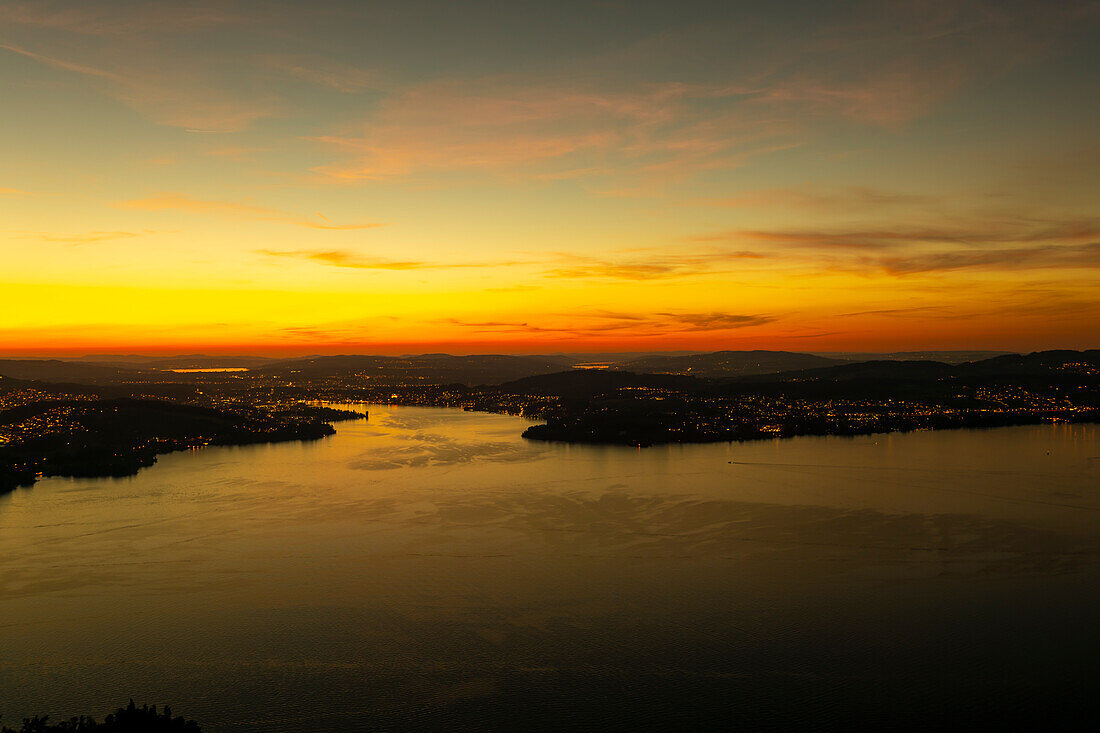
(236,177)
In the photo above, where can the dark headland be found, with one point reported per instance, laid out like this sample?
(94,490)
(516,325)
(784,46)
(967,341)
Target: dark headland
(80,431)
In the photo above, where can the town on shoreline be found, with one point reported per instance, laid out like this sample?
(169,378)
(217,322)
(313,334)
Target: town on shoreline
(90,419)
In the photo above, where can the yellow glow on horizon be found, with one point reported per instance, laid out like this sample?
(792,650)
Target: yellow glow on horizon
(366,197)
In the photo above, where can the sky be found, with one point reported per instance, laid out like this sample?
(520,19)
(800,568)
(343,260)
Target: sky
(535,177)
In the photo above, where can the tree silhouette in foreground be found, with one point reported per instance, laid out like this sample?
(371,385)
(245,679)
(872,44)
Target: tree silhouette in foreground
(130,719)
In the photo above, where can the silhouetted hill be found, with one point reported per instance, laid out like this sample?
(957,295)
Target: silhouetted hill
(56,370)
(577,383)
(728,363)
(428,368)
(947,357)
(116,437)
(496,369)
(134,418)
(1060,363)
(180,361)
(868,370)
(106,389)
(845,399)
(1057,362)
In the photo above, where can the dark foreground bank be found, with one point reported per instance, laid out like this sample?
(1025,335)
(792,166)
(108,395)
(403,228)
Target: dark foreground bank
(130,719)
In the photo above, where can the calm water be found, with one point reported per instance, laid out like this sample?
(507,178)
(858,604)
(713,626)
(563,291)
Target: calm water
(430,569)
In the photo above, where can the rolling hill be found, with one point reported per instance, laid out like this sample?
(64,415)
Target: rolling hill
(728,363)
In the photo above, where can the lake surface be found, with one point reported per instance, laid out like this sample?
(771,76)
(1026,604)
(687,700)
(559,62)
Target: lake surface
(430,569)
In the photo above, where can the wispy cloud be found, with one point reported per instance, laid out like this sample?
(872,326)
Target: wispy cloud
(818,335)
(321,71)
(61,64)
(891,62)
(883,66)
(86,237)
(338,227)
(1003,230)
(1008,242)
(237,153)
(847,198)
(717,321)
(341,258)
(131,52)
(156,57)
(114,21)
(544,129)
(180,96)
(355,261)
(915,312)
(603,118)
(1017,258)
(511,289)
(888,97)
(634,325)
(651,265)
(181,202)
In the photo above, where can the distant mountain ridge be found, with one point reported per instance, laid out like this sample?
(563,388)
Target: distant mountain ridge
(56,370)
(430,368)
(589,382)
(178,361)
(1061,361)
(881,369)
(1038,363)
(729,363)
(946,356)
(496,369)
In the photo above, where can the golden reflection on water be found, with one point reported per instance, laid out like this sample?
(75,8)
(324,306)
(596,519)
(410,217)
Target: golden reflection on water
(429,558)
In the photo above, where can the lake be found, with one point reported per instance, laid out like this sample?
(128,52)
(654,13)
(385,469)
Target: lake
(430,569)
